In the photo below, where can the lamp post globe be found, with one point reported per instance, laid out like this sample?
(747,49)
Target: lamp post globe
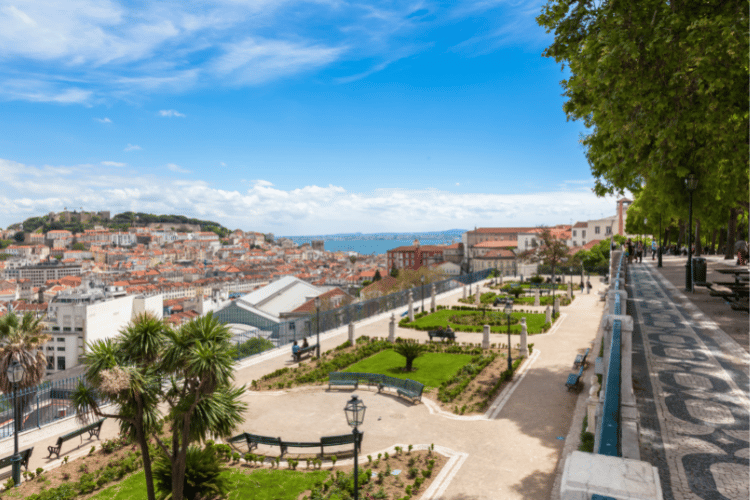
(355,416)
(15,373)
(508,310)
(317,323)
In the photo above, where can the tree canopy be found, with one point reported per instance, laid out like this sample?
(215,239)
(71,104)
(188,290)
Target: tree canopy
(662,89)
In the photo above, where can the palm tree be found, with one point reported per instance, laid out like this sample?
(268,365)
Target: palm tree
(21,339)
(123,370)
(411,350)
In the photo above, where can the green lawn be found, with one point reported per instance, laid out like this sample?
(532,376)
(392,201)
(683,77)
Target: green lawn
(261,484)
(433,321)
(431,369)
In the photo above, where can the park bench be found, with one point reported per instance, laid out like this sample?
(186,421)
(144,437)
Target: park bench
(548,287)
(574,380)
(25,456)
(303,351)
(92,429)
(404,387)
(442,334)
(581,359)
(253,440)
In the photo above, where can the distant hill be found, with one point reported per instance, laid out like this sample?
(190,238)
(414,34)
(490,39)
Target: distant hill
(120,222)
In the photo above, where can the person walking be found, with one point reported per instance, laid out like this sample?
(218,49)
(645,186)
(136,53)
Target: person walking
(631,251)
(639,252)
(588,286)
(653,249)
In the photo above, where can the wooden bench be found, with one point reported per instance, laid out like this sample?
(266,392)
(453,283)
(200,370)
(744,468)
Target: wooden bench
(304,350)
(253,440)
(92,429)
(574,381)
(581,359)
(25,456)
(442,334)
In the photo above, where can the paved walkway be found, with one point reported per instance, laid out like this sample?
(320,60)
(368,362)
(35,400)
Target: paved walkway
(512,452)
(691,384)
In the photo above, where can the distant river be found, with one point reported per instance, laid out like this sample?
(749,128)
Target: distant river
(367,247)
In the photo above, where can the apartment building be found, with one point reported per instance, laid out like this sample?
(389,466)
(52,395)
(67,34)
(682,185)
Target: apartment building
(414,256)
(41,273)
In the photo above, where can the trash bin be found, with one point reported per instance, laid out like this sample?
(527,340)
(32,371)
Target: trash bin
(699,270)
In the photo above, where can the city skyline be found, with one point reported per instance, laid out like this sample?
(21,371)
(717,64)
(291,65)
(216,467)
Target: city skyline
(290,117)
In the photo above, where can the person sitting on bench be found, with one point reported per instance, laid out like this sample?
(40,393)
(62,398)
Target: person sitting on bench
(295,349)
(304,343)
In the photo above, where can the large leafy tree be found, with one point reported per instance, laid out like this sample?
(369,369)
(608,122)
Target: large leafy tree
(21,339)
(551,251)
(662,88)
(190,369)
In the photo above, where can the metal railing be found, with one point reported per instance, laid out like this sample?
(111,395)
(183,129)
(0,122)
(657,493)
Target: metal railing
(39,405)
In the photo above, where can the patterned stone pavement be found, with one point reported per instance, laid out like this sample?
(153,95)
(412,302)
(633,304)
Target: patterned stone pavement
(692,391)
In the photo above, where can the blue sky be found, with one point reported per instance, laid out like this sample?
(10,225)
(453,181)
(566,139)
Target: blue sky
(291,117)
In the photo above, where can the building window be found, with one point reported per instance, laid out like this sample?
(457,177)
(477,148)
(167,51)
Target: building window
(583,233)
(609,230)
(50,362)
(61,339)
(61,363)
(61,348)
(50,348)
(596,230)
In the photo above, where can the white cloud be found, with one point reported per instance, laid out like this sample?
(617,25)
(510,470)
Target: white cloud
(305,210)
(132,147)
(113,164)
(103,120)
(171,113)
(176,168)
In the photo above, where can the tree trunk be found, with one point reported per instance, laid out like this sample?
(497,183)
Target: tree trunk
(698,250)
(143,443)
(409,362)
(713,241)
(731,234)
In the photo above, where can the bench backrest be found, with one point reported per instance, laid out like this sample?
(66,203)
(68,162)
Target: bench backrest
(254,438)
(25,455)
(80,431)
(335,440)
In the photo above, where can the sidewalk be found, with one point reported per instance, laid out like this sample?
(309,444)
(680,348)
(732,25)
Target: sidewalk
(691,383)
(512,455)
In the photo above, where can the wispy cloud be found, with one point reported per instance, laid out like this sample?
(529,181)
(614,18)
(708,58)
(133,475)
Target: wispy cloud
(176,168)
(113,164)
(265,207)
(171,113)
(132,147)
(103,120)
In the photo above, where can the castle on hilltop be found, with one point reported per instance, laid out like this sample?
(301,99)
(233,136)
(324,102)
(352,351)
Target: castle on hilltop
(67,216)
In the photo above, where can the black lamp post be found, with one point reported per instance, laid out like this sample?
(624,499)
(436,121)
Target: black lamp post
(421,278)
(15,374)
(355,415)
(317,322)
(508,310)
(691,183)
(658,249)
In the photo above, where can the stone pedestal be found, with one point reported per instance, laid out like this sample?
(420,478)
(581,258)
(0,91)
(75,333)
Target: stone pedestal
(591,403)
(536,298)
(351,333)
(464,291)
(586,474)
(524,337)
(432,297)
(486,337)
(570,291)
(476,296)
(547,315)
(411,306)
(557,305)
(392,329)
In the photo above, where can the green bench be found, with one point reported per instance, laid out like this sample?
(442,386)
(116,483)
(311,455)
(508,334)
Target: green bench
(581,359)
(542,287)
(25,456)
(303,351)
(92,429)
(253,440)
(442,334)
(574,381)
(404,387)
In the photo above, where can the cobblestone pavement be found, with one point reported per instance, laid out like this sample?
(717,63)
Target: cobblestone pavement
(692,390)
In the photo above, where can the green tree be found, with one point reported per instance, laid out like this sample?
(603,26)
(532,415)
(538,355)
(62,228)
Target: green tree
(148,364)
(79,246)
(551,251)
(18,237)
(203,478)
(377,276)
(394,272)
(411,350)
(661,87)
(21,339)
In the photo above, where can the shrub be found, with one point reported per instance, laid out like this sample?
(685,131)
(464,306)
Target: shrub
(202,474)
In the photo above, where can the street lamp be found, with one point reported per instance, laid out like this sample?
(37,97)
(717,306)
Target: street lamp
(691,183)
(658,249)
(317,321)
(421,278)
(15,374)
(508,310)
(355,415)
